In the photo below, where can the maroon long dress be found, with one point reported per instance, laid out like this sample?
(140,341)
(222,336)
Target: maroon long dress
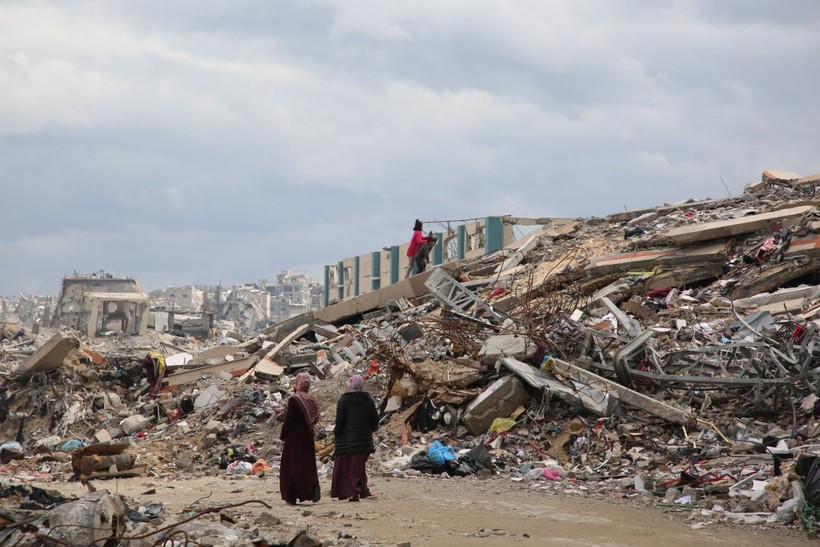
(298,479)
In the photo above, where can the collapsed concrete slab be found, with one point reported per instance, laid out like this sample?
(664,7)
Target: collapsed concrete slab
(626,395)
(506,345)
(807,181)
(407,288)
(774,277)
(809,245)
(497,401)
(286,340)
(575,394)
(433,374)
(738,226)
(50,355)
(781,295)
(772,175)
(519,255)
(646,260)
(235,367)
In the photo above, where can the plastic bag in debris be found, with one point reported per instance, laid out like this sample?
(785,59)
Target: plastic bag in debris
(235,453)
(259,466)
(501,425)
(73,444)
(422,462)
(473,461)
(440,453)
(240,468)
(479,457)
(12,446)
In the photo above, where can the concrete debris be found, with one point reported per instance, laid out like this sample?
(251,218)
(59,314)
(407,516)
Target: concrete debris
(669,355)
(499,400)
(506,345)
(50,355)
(737,226)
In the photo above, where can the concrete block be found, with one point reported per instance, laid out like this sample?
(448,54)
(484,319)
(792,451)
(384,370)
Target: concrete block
(497,401)
(506,345)
(135,423)
(214,426)
(754,187)
(50,355)
(267,367)
(644,218)
(102,436)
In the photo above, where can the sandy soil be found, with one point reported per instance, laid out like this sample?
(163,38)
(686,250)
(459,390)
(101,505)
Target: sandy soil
(442,511)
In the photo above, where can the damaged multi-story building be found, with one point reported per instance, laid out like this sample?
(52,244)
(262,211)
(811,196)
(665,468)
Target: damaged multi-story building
(99,302)
(294,293)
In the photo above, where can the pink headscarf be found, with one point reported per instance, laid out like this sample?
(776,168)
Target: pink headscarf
(355,383)
(309,404)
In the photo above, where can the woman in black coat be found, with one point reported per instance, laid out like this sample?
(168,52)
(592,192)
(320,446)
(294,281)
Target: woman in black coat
(356,420)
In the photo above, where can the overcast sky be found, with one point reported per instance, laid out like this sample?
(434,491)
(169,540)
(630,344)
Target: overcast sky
(197,141)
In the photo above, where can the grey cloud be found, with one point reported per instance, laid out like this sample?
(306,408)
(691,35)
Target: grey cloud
(199,141)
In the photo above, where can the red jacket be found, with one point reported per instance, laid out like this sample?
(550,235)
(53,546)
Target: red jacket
(416,241)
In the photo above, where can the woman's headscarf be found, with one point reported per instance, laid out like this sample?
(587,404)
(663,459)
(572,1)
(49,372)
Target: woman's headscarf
(417,225)
(308,402)
(355,383)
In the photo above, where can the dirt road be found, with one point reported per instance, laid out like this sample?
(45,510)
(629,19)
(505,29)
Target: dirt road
(441,511)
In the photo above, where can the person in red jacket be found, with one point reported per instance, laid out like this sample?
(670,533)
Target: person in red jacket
(416,242)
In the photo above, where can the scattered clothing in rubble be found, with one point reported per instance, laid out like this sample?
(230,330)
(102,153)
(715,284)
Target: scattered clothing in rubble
(426,417)
(37,498)
(632,232)
(154,364)
(298,478)
(356,420)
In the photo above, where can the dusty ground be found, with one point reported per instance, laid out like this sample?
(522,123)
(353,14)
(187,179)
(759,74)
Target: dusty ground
(441,511)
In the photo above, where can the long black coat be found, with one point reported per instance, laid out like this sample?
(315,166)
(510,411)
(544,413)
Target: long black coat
(356,420)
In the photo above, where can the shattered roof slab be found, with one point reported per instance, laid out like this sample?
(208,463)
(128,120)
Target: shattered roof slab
(737,226)
(650,258)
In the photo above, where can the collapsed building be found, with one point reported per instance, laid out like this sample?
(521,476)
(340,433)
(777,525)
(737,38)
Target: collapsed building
(668,354)
(100,302)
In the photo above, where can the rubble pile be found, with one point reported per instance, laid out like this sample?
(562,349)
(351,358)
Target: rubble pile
(664,355)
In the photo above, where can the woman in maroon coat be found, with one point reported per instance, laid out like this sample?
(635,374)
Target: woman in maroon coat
(298,479)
